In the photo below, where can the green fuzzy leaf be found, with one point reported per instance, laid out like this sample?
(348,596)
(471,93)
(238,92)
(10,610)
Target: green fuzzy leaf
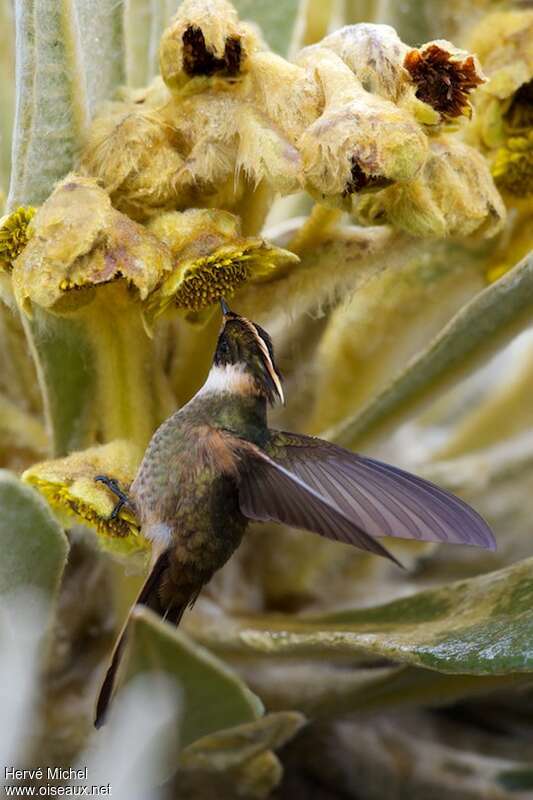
(329,689)
(7,65)
(386,322)
(238,762)
(419,756)
(231,747)
(66,368)
(101,31)
(471,337)
(33,546)
(213,696)
(412,687)
(480,626)
(69,58)
(145,21)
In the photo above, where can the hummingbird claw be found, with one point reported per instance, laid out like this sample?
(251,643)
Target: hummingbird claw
(118,507)
(112,485)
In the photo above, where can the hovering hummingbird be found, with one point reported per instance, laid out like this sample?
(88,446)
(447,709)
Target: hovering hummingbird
(215,465)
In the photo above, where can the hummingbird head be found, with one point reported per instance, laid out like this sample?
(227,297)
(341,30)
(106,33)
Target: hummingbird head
(244,358)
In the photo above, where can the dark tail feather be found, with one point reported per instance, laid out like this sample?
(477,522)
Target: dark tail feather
(148,596)
(106,689)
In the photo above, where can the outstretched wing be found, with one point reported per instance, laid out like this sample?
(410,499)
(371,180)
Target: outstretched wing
(375,499)
(268,491)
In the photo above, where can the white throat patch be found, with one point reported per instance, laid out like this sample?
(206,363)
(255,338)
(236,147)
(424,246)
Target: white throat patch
(231,378)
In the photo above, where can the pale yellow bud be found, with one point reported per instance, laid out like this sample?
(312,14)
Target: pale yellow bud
(265,154)
(436,76)
(134,152)
(207,125)
(205,42)
(361,140)
(503,42)
(80,241)
(195,232)
(375,54)
(154,96)
(285,92)
(454,196)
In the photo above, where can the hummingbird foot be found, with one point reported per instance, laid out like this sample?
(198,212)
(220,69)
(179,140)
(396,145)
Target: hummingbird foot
(123,499)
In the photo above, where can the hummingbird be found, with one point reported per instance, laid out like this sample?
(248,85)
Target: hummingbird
(215,465)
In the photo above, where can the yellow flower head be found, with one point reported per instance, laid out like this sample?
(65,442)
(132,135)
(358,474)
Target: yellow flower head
(15,232)
(79,242)
(512,167)
(504,106)
(69,486)
(212,260)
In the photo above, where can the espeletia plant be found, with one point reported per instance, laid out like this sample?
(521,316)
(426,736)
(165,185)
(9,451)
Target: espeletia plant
(357,178)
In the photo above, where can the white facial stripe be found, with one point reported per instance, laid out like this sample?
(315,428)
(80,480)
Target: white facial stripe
(231,378)
(269,365)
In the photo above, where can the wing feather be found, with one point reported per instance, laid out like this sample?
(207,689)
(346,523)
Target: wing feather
(372,498)
(269,491)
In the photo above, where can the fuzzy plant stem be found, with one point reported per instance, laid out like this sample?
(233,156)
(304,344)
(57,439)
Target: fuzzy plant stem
(318,224)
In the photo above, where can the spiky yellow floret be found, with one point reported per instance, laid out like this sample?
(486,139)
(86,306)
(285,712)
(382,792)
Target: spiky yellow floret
(206,283)
(212,260)
(60,498)
(14,234)
(198,284)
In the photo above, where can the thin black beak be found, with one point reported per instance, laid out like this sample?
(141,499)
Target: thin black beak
(224,306)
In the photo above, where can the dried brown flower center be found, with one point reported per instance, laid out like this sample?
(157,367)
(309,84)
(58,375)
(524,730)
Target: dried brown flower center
(442,82)
(198,59)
